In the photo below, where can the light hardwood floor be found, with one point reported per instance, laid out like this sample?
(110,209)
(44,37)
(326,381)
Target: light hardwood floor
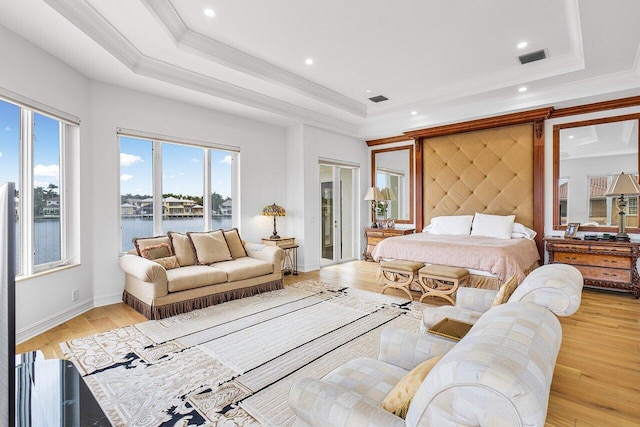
(597,377)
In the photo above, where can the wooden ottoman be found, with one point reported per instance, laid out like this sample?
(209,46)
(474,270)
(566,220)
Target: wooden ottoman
(441,281)
(399,275)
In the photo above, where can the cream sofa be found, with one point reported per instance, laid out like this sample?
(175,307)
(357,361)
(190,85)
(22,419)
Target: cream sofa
(158,292)
(499,374)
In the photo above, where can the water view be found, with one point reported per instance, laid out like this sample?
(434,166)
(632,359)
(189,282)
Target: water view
(143,227)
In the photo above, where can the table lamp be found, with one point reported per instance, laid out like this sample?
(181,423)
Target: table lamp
(622,185)
(388,196)
(374,194)
(274,211)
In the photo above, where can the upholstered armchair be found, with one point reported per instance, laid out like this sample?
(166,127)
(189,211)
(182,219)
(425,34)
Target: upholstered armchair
(492,377)
(557,287)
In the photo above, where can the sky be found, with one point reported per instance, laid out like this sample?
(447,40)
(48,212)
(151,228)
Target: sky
(182,169)
(46,147)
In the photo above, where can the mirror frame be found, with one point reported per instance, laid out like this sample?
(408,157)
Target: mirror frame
(556,167)
(411,177)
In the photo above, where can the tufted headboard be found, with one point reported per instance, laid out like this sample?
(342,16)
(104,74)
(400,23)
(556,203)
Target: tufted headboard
(489,171)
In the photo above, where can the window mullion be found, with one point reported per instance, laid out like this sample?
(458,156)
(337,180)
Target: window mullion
(206,196)
(26,191)
(157,188)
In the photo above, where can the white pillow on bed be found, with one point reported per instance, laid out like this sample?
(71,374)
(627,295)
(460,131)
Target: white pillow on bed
(499,226)
(520,232)
(455,224)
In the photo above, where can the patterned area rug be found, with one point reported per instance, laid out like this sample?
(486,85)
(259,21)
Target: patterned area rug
(233,363)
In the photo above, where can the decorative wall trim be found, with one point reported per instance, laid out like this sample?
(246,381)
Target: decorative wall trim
(389,140)
(596,106)
(94,25)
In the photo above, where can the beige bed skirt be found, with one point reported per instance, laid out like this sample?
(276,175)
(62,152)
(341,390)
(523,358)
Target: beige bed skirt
(492,282)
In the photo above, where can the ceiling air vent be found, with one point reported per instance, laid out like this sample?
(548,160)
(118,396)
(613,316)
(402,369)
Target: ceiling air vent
(533,56)
(378,98)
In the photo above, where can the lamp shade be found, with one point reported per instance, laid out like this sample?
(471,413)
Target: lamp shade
(623,184)
(373,193)
(388,194)
(273,210)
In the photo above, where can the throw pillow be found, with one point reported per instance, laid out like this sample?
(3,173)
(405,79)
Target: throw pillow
(182,248)
(156,251)
(141,243)
(235,243)
(505,291)
(399,398)
(210,247)
(168,263)
(499,226)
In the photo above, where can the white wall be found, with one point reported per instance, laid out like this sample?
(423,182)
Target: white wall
(32,73)
(320,144)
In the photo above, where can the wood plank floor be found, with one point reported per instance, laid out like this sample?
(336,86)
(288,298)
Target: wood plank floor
(597,377)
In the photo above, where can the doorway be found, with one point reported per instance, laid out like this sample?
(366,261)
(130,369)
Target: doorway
(337,213)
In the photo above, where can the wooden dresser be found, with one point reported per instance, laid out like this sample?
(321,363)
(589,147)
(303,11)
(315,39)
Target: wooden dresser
(373,236)
(603,264)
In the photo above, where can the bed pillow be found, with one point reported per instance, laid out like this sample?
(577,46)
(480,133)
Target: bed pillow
(454,224)
(522,232)
(499,226)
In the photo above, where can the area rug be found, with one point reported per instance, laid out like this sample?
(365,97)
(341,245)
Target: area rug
(233,363)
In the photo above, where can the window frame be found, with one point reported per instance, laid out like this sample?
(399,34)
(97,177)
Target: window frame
(157,177)
(26,266)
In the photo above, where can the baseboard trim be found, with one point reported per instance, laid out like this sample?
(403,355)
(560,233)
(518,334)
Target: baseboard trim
(107,299)
(44,325)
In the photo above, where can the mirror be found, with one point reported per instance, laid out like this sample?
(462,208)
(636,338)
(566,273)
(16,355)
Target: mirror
(392,172)
(587,156)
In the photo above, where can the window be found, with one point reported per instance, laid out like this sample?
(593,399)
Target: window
(32,147)
(163,186)
(604,210)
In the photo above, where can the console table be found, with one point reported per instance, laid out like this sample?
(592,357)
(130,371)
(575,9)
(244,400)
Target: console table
(373,236)
(603,264)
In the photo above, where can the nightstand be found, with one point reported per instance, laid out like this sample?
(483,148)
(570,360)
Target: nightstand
(290,261)
(374,236)
(603,264)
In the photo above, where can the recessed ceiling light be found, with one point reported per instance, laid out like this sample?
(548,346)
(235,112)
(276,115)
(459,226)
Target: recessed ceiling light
(308,61)
(210,13)
(522,45)
(368,90)
(413,113)
(522,89)
(571,136)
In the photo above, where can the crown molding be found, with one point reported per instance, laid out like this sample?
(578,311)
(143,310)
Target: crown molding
(220,53)
(95,26)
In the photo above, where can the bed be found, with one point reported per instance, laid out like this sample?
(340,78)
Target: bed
(491,261)
(470,173)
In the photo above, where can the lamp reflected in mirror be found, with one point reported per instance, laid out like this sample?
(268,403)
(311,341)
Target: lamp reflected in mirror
(621,186)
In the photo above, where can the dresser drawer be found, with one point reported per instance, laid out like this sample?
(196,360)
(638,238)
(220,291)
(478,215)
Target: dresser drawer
(605,274)
(611,261)
(374,240)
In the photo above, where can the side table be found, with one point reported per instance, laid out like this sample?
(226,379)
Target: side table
(290,247)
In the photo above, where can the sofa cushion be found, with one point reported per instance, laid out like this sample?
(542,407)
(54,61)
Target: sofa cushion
(194,276)
(182,248)
(210,247)
(244,268)
(154,252)
(370,378)
(399,398)
(142,243)
(236,246)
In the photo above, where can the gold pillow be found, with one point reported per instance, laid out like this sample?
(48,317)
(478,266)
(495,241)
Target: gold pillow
(210,247)
(505,291)
(399,398)
(141,243)
(182,248)
(156,251)
(235,243)
(168,263)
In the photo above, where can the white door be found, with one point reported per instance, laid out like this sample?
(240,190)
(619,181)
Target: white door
(337,213)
